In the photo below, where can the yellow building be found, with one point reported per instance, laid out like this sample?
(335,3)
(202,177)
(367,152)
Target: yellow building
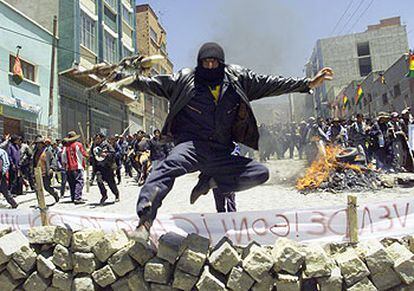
(151,39)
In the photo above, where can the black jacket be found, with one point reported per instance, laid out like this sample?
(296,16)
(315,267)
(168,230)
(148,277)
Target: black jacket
(179,89)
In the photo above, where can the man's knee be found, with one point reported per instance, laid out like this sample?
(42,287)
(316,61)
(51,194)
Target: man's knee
(262,174)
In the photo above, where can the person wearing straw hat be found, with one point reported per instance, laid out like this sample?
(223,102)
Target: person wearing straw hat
(73,159)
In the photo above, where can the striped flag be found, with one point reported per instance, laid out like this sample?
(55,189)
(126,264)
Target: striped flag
(17,71)
(359,94)
(410,73)
(345,102)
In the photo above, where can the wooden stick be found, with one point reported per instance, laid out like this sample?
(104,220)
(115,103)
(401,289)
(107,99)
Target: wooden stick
(40,195)
(87,160)
(352,219)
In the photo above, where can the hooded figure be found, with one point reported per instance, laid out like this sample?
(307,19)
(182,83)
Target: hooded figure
(209,109)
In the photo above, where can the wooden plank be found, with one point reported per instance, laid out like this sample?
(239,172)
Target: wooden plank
(352,219)
(40,195)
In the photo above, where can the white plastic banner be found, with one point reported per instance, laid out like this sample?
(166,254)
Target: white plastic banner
(393,218)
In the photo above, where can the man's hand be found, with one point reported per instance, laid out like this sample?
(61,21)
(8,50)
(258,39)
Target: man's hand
(324,74)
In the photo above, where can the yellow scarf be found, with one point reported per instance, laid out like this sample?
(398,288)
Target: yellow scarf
(215,92)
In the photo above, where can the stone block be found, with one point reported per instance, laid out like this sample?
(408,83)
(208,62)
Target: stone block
(403,261)
(11,243)
(25,258)
(62,258)
(5,230)
(62,280)
(386,279)
(104,276)
(266,284)
(83,284)
(121,262)
(169,246)
(44,266)
(15,271)
(110,244)
(7,283)
(287,282)
(160,287)
(288,256)
(158,271)
(317,262)
(224,258)
(84,263)
(375,256)
(41,234)
(184,281)
(62,236)
(121,285)
(258,263)
(352,267)
(136,280)
(239,280)
(411,243)
(196,243)
(363,285)
(142,252)
(85,240)
(191,262)
(35,282)
(208,282)
(246,250)
(333,282)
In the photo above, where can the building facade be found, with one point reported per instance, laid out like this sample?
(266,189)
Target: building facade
(90,32)
(151,40)
(24,108)
(355,56)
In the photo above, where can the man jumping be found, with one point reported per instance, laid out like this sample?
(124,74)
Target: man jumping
(209,109)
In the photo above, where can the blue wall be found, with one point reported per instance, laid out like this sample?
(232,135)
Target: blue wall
(33,51)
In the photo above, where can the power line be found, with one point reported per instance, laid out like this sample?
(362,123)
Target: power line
(360,16)
(342,16)
(352,16)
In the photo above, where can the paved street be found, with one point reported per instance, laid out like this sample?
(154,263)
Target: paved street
(278,192)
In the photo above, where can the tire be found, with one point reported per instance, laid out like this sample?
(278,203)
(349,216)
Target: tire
(347,155)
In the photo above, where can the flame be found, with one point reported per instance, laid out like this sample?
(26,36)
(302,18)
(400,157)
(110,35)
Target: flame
(322,167)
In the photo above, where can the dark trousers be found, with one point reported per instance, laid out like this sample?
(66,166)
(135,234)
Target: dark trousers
(4,189)
(75,180)
(64,179)
(47,185)
(27,174)
(106,175)
(16,182)
(225,202)
(231,173)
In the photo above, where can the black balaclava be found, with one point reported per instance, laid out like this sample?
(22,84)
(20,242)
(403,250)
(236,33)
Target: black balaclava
(210,77)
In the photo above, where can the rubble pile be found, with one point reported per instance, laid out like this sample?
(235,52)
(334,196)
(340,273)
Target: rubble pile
(54,258)
(327,173)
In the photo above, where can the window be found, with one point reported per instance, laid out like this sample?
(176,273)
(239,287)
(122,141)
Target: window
(384,99)
(164,48)
(88,31)
(153,35)
(126,52)
(363,49)
(127,15)
(27,68)
(397,91)
(110,48)
(110,19)
(365,66)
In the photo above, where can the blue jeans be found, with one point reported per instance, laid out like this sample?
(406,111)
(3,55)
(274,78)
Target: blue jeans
(231,173)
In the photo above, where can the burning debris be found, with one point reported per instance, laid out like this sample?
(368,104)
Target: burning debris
(328,173)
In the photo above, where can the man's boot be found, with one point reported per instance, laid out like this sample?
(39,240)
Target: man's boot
(205,183)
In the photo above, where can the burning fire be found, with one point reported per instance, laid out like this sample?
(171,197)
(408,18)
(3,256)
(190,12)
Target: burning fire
(322,167)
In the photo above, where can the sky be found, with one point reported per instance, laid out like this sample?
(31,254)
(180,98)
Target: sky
(269,36)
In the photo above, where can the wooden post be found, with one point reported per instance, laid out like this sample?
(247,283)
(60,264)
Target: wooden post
(40,195)
(52,75)
(352,219)
(84,141)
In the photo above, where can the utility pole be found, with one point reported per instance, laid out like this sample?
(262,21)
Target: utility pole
(52,77)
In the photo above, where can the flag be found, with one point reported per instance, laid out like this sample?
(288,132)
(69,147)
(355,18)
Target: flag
(382,79)
(359,94)
(410,73)
(345,102)
(17,71)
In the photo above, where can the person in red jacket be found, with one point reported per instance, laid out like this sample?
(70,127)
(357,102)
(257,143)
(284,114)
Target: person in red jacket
(73,159)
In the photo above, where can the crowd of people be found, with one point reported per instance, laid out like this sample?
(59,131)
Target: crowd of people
(375,138)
